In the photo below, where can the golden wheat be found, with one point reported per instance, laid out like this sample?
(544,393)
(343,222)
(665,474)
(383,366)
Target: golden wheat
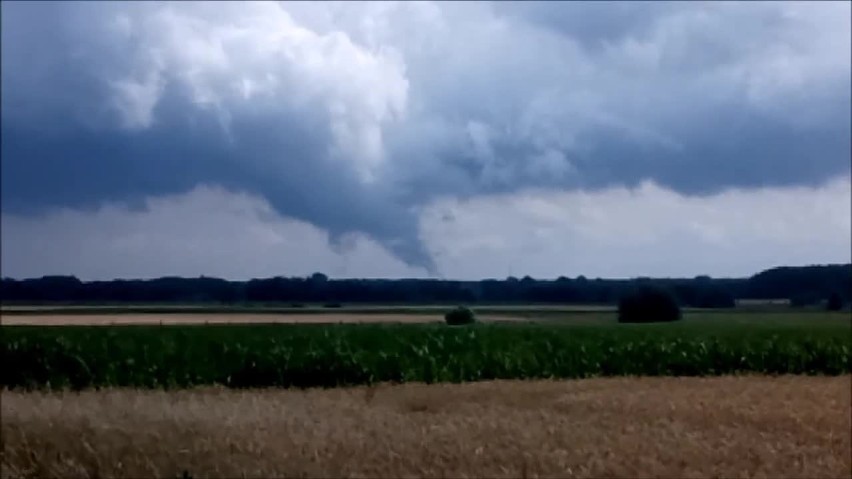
(617,427)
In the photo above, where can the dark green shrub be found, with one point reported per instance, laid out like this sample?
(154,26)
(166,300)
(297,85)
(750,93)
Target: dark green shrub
(460,315)
(648,304)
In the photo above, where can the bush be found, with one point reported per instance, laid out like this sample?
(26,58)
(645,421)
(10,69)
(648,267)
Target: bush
(835,302)
(648,304)
(460,315)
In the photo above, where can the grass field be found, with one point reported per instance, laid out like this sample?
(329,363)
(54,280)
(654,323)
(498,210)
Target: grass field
(751,426)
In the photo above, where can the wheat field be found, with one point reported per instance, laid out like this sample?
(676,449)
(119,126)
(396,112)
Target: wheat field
(752,426)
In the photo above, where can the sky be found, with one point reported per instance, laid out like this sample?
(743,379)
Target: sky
(424,139)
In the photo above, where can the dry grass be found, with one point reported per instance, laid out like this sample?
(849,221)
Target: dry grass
(220,318)
(625,427)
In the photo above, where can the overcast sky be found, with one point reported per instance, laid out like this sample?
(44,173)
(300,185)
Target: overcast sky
(454,140)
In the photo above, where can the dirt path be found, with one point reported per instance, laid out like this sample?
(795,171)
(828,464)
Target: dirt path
(618,427)
(219,318)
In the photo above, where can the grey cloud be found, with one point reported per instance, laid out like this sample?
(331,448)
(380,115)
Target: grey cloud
(206,231)
(283,154)
(645,231)
(362,113)
(591,23)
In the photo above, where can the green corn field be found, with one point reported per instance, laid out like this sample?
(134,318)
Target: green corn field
(336,355)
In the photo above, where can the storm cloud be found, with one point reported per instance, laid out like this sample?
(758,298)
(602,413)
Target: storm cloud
(360,117)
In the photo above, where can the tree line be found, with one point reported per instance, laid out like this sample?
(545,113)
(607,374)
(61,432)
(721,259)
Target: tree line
(801,285)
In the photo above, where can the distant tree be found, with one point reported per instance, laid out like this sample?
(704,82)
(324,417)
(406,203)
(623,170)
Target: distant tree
(835,302)
(648,304)
(806,298)
(786,282)
(810,285)
(713,297)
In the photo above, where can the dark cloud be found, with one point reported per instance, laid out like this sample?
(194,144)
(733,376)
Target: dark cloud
(287,165)
(590,23)
(357,125)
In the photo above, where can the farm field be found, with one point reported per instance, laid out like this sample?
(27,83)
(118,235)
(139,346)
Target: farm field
(525,310)
(297,308)
(48,319)
(214,314)
(751,426)
(545,393)
(307,355)
(191,314)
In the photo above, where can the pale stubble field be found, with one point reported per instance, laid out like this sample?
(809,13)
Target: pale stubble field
(218,318)
(749,426)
